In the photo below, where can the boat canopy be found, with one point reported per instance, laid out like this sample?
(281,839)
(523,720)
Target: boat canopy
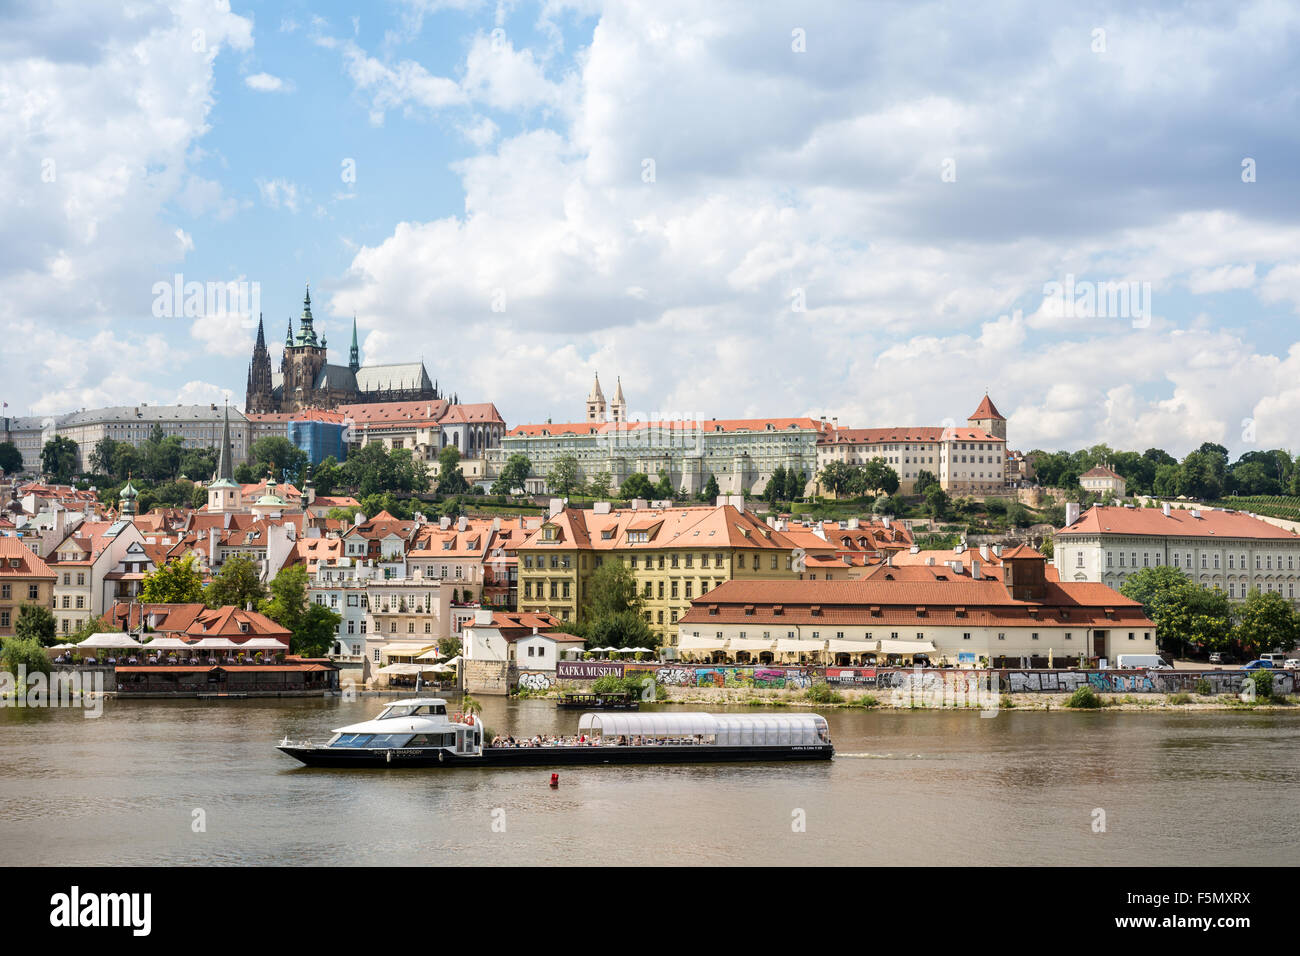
(727,730)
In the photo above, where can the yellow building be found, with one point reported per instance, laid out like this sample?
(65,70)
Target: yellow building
(24,579)
(676,554)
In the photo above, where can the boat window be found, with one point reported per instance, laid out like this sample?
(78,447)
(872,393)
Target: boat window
(433,740)
(390,740)
(352,740)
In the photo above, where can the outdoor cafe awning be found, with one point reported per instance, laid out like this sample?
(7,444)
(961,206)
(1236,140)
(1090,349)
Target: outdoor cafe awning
(905,647)
(789,645)
(409,669)
(844,646)
(166,644)
(698,644)
(214,644)
(108,641)
(405,649)
(262,644)
(749,644)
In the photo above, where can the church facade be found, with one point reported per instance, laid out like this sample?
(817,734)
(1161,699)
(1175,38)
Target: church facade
(307,380)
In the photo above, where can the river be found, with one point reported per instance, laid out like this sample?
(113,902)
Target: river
(194,782)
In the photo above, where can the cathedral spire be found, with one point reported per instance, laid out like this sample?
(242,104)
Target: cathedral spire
(306,333)
(261,335)
(354,356)
(288,336)
(224,468)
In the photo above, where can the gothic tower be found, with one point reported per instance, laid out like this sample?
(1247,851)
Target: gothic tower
(354,354)
(596,403)
(618,407)
(259,397)
(304,356)
(988,418)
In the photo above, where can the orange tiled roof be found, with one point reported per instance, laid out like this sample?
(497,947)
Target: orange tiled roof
(29,565)
(904,434)
(1151,522)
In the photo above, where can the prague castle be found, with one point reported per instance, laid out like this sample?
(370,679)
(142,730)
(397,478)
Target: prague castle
(307,380)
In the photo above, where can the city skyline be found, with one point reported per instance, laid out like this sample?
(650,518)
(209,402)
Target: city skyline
(859,237)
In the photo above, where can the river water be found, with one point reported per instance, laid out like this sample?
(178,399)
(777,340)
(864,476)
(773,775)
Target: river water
(133,787)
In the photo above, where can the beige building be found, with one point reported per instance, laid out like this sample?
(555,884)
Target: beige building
(1102,481)
(24,579)
(966,460)
(198,426)
(82,562)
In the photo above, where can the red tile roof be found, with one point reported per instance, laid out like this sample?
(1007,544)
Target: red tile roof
(29,565)
(986,410)
(1151,522)
(904,434)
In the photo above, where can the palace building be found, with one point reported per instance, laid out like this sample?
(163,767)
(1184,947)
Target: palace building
(307,380)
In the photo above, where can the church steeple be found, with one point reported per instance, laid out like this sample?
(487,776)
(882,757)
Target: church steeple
(306,333)
(288,336)
(354,355)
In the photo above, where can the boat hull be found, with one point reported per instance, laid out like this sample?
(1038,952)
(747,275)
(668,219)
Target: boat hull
(346,757)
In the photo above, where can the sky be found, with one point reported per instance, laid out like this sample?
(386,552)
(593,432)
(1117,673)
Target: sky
(869,212)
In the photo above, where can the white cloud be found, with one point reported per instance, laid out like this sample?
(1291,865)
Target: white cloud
(279,194)
(268,83)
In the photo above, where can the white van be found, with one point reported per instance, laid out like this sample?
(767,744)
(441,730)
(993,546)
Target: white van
(1277,660)
(1141,662)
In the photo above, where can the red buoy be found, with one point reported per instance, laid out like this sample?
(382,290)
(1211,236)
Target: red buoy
(555,781)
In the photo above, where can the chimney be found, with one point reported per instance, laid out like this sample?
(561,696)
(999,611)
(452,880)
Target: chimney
(639,504)
(1071,512)
(1196,512)
(914,549)
(462,523)
(997,550)
(930,560)
(444,523)
(1165,508)
(975,571)
(852,524)
(984,552)
(721,500)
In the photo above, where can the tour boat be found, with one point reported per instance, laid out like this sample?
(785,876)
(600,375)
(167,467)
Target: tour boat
(419,733)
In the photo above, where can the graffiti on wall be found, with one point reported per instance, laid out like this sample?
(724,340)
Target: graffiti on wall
(719,676)
(537,681)
(851,676)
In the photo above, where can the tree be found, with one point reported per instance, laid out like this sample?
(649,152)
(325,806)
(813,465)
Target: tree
(795,481)
(836,477)
(1265,622)
(95,625)
(775,487)
(936,500)
(327,476)
(613,610)
(101,459)
(59,458)
(636,485)
(176,582)
(924,479)
(279,456)
(1186,615)
(11,459)
(711,493)
(514,475)
(236,584)
(600,485)
(313,626)
(27,654)
(878,476)
(664,489)
(563,476)
(451,481)
(199,464)
(35,622)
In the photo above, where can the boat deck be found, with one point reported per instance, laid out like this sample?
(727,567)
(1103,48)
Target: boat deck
(319,756)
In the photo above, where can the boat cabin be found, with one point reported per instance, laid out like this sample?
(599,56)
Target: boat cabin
(413,724)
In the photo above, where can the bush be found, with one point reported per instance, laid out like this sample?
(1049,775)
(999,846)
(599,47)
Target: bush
(1204,688)
(823,693)
(1263,681)
(1180,698)
(17,651)
(1084,698)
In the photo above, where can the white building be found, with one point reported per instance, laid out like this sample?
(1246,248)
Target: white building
(1228,550)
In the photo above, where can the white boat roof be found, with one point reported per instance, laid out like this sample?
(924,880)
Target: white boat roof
(690,724)
(411,701)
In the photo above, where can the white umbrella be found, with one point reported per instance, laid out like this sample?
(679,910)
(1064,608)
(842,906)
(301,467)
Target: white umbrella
(108,642)
(454,662)
(432,655)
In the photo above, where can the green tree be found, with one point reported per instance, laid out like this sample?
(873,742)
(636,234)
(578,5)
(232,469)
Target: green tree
(775,486)
(236,584)
(1265,622)
(711,492)
(327,476)
(35,622)
(837,477)
(795,481)
(94,625)
(1186,615)
(924,479)
(451,481)
(313,626)
(11,459)
(562,479)
(101,459)
(664,490)
(199,464)
(280,457)
(514,475)
(636,485)
(879,477)
(936,501)
(59,458)
(176,582)
(612,613)
(600,484)
(27,654)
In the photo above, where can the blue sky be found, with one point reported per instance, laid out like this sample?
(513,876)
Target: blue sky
(855,210)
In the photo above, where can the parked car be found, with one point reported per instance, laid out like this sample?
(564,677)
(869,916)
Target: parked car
(1216,658)
(1292,664)
(1259,665)
(1143,661)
